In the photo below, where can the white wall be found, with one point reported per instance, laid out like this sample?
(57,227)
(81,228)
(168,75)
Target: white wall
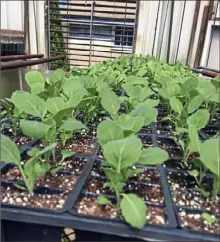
(12,15)
(154,42)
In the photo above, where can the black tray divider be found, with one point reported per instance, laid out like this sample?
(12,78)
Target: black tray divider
(172,219)
(74,194)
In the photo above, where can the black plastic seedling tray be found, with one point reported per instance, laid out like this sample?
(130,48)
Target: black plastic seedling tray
(45,221)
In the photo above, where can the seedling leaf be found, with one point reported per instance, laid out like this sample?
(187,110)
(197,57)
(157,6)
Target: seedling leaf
(101,200)
(199,119)
(34,129)
(153,156)
(133,210)
(123,153)
(9,151)
(107,131)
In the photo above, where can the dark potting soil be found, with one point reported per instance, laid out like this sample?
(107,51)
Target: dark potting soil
(83,144)
(164,128)
(146,140)
(194,221)
(146,129)
(19,139)
(170,146)
(184,192)
(89,206)
(59,181)
(147,193)
(148,176)
(74,164)
(44,201)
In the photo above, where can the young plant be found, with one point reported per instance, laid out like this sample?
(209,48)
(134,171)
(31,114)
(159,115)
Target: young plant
(33,168)
(188,137)
(136,90)
(54,114)
(120,154)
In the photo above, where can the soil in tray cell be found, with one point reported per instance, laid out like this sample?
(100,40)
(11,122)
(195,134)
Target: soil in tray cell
(80,144)
(211,131)
(194,221)
(146,129)
(75,164)
(147,193)
(185,194)
(59,181)
(19,139)
(13,196)
(149,175)
(89,206)
(170,146)
(164,128)
(146,140)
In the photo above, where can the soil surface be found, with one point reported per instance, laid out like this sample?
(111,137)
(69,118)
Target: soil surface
(146,129)
(89,206)
(195,222)
(164,128)
(59,181)
(184,192)
(45,201)
(170,146)
(147,193)
(146,140)
(149,175)
(82,144)
(19,139)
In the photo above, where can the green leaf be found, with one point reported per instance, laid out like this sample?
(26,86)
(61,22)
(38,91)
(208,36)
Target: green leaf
(9,151)
(150,103)
(33,152)
(112,175)
(107,131)
(148,113)
(195,103)
(76,97)
(153,156)
(199,119)
(190,84)
(209,218)
(60,74)
(36,81)
(176,105)
(29,103)
(72,125)
(34,129)
(195,143)
(58,117)
(133,210)
(123,153)
(203,192)
(66,154)
(209,155)
(181,130)
(41,169)
(127,122)
(55,104)
(110,101)
(30,174)
(54,170)
(101,200)
(194,173)
(45,150)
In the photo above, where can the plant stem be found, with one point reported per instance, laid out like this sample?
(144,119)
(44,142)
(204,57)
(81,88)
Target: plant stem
(25,179)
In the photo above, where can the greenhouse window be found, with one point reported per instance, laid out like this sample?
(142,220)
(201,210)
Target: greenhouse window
(98,32)
(124,36)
